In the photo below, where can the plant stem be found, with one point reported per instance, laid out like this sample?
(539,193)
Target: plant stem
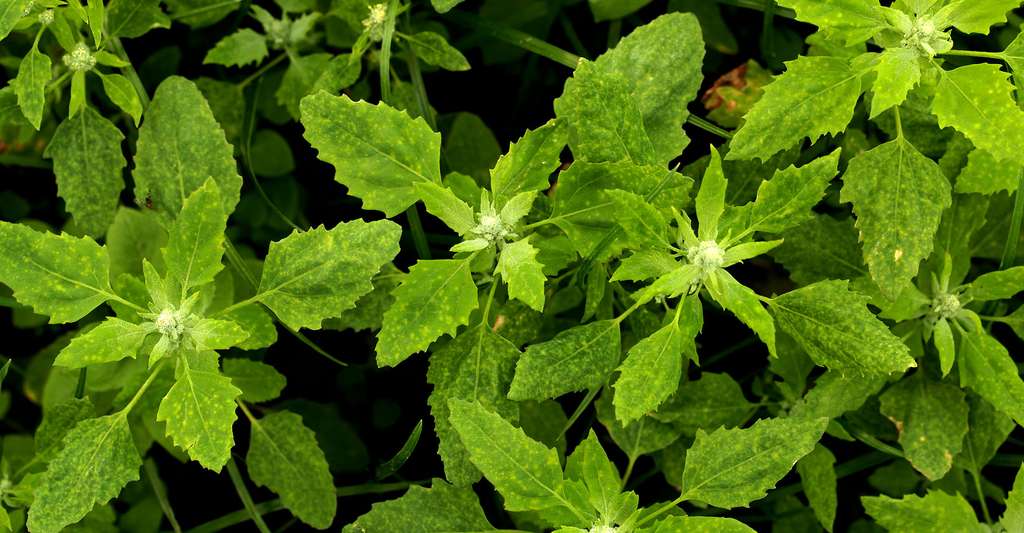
(129,71)
(145,385)
(384,66)
(515,38)
(262,70)
(694,120)
(249,128)
(1009,256)
(161,493)
(760,5)
(243,494)
(973,53)
(204,9)
(587,400)
(80,386)
(981,497)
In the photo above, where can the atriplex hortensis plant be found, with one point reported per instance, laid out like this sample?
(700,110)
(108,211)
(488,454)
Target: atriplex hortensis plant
(591,276)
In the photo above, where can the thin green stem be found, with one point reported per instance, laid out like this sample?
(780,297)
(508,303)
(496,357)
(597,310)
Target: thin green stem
(981,497)
(250,126)
(515,38)
(485,319)
(587,400)
(973,53)
(262,70)
(384,66)
(696,121)
(570,33)
(1009,256)
(145,385)
(60,81)
(243,494)
(419,236)
(759,5)
(161,493)
(629,470)
(204,9)
(129,71)
(80,386)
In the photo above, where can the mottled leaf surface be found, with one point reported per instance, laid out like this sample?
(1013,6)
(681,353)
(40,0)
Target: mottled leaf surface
(577,358)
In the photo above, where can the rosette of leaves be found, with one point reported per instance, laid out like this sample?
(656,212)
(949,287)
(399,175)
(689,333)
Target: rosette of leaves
(295,36)
(898,194)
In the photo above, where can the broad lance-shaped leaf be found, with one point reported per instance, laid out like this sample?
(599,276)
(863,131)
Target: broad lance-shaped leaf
(931,419)
(113,340)
(180,146)
(604,122)
(853,21)
(378,152)
(838,331)
(977,101)
(87,160)
(1013,517)
(977,16)
(653,366)
(123,94)
(62,276)
(529,162)
(576,359)
(732,467)
(898,71)
(698,524)
(133,18)
(987,368)
(661,65)
(200,409)
(30,85)
(433,300)
(526,473)
(11,11)
(785,200)
(898,196)
(238,49)
(319,273)
(818,478)
(590,464)
(816,95)
(935,511)
(284,456)
(259,382)
(442,507)
(195,242)
(476,366)
(433,49)
(743,302)
(836,393)
(519,267)
(998,285)
(99,458)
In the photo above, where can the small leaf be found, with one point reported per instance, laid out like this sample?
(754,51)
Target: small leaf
(651,371)
(239,49)
(441,202)
(30,85)
(443,6)
(134,18)
(113,340)
(977,16)
(643,223)
(942,337)
(195,242)
(984,175)
(743,302)
(88,163)
(836,393)
(818,477)
(987,368)
(432,48)
(714,400)
(433,300)
(99,458)
(284,457)
(359,139)
(838,331)
(389,467)
(976,101)
(698,524)
(733,467)
(578,358)
(1013,517)
(936,511)
(442,507)
(931,420)
(200,409)
(898,71)
(122,93)
(710,201)
(852,21)
(259,382)
(518,266)
(319,273)
(998,285)
(11,11)
(528,163)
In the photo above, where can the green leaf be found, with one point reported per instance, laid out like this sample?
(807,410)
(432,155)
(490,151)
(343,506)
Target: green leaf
(475,366)
(644,225)
(898,195)
(122,93)
(644,265)
(319,273)
(836,393)
(743,302)
(660,63)
(358,138)
(441,202)
(134,18)
(984,175)
(988,431)
(838,331)
(818,477)
(61,276)
(180,146)
(57,421)
(710,201)
(97,20)
(301,78)
(698,524)
(977,101)
(526,473)
(112,340)
(88,163)
(931,419)
(641,437)
(822,248)
(200,409)
(714,400)
(443,6)
(30,85)
(433,300)
(577,358)
(614,9)
(977,16)
(942,337)
(433,49)
(852,21)
(1013,517)
(284,457)
(936,511)
(605,124)
(987,368)
(733,467)
(518,266)
(898,71)
(590,464)
(11,11)
(239,49)
(529,162)
(259,382)
(816,95)
(195,242)
(786,200)
(442,507)
(998,285)
(99,458)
